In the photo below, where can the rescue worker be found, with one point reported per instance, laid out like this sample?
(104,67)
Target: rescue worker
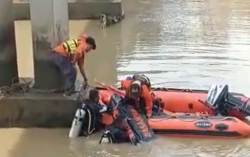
(138,93)
(94,110)
(67,54)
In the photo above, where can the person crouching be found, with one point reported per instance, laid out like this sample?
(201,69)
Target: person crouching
(138,93)
(67,54)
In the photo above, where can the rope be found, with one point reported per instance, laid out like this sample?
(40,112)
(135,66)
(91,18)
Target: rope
(199,117)
(19,86)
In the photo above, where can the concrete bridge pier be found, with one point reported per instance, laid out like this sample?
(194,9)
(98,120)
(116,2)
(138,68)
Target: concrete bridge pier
(8,60)
(49,21)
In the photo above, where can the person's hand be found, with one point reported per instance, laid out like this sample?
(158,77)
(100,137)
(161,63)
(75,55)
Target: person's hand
(149,115)
(86,80)
(73,64)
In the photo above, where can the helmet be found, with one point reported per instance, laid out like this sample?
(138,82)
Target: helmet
(135,89)
(129,78)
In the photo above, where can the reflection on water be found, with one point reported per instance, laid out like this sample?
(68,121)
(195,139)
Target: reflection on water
(177,43)
(190,43)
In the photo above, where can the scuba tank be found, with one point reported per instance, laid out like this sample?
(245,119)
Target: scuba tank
(77,122)
(106,138)
(88,116)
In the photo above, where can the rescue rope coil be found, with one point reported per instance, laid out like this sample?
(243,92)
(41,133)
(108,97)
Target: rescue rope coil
(18,86)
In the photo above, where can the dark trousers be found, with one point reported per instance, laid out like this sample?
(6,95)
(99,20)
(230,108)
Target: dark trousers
(67,69)
(119,135)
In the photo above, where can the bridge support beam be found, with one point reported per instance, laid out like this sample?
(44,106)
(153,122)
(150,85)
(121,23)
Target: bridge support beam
(78,10)
(8,57)
(49,21)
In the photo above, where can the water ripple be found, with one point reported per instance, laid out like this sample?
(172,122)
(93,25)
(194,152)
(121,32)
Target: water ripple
(191,43)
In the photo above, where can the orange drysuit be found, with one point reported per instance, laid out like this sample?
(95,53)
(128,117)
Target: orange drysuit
(144,93)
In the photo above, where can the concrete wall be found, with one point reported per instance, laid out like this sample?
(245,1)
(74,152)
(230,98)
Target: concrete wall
(34,110)
(8,56)
(77,10)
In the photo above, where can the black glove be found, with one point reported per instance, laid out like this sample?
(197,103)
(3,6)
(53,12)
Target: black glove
(109,108)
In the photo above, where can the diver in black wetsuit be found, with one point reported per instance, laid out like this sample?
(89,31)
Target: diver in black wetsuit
(94,112)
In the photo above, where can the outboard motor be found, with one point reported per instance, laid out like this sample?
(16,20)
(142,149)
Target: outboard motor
(220,100)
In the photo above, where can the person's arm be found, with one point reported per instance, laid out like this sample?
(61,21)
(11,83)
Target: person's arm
(79,57)
(79,52)
(148,100)
(75,56)
(125,84)
(82,70)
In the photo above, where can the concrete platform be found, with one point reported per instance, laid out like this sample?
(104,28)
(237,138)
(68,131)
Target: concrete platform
(81,9)
(37,110)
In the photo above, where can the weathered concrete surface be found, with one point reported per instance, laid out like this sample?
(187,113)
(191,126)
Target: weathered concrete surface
(50,27)
(36,110)
(8,60)
(77,10)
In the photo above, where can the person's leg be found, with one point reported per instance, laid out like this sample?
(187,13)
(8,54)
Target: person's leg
(67,70)
(70,72)
(118,134)
(72,78)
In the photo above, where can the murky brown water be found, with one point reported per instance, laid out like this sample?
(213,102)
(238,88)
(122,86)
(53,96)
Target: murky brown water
(177,43)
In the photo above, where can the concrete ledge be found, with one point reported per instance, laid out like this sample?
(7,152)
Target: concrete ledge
(77,10)
(37,110)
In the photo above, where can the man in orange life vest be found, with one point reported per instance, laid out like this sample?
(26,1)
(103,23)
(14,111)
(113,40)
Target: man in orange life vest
(138,93)
(67,54)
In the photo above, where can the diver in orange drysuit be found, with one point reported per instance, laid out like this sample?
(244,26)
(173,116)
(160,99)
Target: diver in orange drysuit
(138,92)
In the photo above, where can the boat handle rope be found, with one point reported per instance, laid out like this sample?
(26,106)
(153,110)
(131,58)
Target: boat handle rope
(176,89)
(175,116)
(199,118)
(187,90)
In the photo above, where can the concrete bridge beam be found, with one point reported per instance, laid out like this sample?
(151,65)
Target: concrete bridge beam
(82,9)
(49,21)
(8,60)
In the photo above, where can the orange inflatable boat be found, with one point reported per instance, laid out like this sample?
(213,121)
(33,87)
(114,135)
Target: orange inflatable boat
(177,124)
(186,100)
(186,106)
(184,125)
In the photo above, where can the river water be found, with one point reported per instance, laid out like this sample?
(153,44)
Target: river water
(177,43)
